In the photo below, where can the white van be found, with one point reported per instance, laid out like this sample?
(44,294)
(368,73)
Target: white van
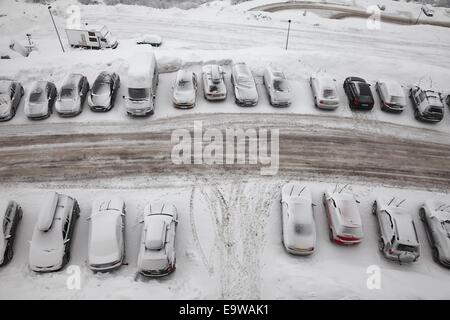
(142,84)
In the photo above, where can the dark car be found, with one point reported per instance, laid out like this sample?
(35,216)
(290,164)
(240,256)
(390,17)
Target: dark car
(104,91)
(358,93)
(427,104)
(10,215)
(11,93)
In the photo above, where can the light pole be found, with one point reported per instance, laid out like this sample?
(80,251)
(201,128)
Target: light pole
(420,12)
(287,37)
(56,29)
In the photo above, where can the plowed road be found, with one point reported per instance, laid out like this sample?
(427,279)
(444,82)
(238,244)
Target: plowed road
(306,150)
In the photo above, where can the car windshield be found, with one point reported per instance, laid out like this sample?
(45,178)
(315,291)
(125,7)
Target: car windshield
(280,85)
(138,93)
(404,247)
(101,89)
(67,93)
(365,95)
(37,96)
(329,93)
(301,228)
(184,85)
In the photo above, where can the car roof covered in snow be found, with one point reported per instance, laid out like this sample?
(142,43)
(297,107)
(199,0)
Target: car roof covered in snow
(109,203)
(71,80)
(242,69)
(393,88)
(140,70)
(347,207)
(155,236)
(325,81)
(5,86)
(184,75)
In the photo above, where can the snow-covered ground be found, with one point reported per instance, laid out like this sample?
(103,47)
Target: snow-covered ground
(229,249)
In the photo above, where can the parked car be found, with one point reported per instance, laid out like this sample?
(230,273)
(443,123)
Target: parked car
(157,256)
(185,89)
(214,82)
(244,85)
(427,104)
(436,218)
(40,100)
(344,220)
(151,39)
(398,234)
(53,233)
(391,96)
(10,216)
(104,91)
(106,248)
(71,97)
(277,87)
(448,100)
(299,227)
(11,93)
(324,92)
(358,93)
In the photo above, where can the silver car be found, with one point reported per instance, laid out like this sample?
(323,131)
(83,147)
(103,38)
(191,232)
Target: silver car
(157,250)
(11,93)
(244,85)
(72,95)
(398,234)
(10,216)
(53,233)
(184,89)
(214,82)
(436,218)
(40,100)
(299,227)
(277,87)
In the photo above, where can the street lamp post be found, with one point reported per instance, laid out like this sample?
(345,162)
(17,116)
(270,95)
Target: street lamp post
(56,29)
(287,37)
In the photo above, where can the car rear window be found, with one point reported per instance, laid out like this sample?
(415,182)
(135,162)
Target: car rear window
(37,96)
(404,247)
(329,94)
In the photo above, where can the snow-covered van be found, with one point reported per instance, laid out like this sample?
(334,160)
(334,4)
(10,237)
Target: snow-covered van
(91,37)
(142,83)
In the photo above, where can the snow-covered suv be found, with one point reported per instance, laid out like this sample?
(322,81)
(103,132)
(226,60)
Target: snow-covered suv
(427,104)
(398,234)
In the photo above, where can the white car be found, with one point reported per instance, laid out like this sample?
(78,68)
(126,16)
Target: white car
(398,234)
(244,85)
(157,250)
(324,92)
(106,248)
(185,89)
(11,93)
(214,82)
(53,232)
(10,216)
(71,96)
(299,227)
(277,87)
(344,220)
(391,95)
(40,100)
(152,39)
(436,218)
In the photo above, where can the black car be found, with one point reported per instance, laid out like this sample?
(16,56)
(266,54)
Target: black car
(104,91)
(11,215)
(11,93)
(358,93)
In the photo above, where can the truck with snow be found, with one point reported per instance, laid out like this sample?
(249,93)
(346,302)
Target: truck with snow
(91,37)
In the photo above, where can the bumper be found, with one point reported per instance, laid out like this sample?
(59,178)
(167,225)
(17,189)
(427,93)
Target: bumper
(327,106)
(105,267)
(396,109)
(360,107)
(427,118)
(300,252)
(65,114)
(140,112)
(99,108)
(6,118)
(46,268)
(346,242)
(400,258)
(39,116)
(157,273)
(215,97)
(182,105)
(280,104)
(246,103)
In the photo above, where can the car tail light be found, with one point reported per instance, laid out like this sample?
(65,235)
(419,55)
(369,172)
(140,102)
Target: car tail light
(355,101)
(347,238)
(320,101)
(391,251)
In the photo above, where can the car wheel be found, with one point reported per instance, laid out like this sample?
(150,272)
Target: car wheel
(9,254)
(422,214)
(380,245)
(22,92)
(374,208)
(416,114)
(331,235)
(435,254)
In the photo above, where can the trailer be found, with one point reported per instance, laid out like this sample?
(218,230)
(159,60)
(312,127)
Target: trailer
(91,37)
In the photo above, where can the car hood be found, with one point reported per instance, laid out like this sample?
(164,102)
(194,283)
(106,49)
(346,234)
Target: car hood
(102,100)
(298,241)
(46,256)
(247,93)
(184,96)
(282,95)
(5,106)
(36,108)
(2,247)
(66,105)
(153,260)
(103,242)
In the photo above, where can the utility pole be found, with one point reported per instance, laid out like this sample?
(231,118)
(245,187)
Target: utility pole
(289,29)
(56,29)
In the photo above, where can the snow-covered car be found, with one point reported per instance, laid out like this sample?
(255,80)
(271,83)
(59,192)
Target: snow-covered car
(106,248)
(391,95)
(299,227)
(244,85)
(11,93)
(427,10)
(436,218)
(40,100)
(53,233)
(324,91)
(157,256)
(10,216)
(398,234)
(447,100)
(184,89)
(427,104)
(358,93)
(151,39)
(71,96)
(104,91)
(277,87)
(214,82)
(344,220)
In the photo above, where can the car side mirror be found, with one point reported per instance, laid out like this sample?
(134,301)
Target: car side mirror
(66,241)
(123,97)
(88,218)
(357,201)
(7,237)
(314,205)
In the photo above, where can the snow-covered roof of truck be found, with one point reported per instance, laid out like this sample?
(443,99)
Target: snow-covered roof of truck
(140,70)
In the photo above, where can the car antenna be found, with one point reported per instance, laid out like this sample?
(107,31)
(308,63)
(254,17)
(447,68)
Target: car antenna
(441,206)
(292,189)
(302,190)
(343,188)
(398,204)
(335,188)
(391,201)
